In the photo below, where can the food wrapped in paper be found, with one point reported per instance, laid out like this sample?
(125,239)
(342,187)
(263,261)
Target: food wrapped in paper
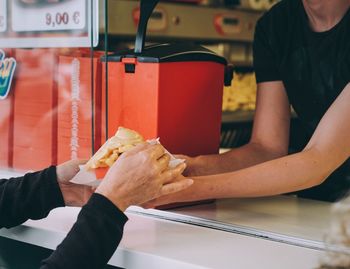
(106,156)
(96,168)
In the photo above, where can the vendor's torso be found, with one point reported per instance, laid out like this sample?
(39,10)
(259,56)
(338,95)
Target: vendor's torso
(315,68)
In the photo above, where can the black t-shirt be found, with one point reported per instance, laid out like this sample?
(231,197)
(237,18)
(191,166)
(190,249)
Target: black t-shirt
(314,68)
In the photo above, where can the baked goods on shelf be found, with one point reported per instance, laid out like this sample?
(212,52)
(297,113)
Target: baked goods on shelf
(241,95)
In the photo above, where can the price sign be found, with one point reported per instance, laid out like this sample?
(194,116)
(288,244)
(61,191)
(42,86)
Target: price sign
(49,23)
(48,15)
(3,16)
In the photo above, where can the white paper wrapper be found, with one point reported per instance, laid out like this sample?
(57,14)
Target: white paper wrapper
(88,178)
(84,177)
(173,161)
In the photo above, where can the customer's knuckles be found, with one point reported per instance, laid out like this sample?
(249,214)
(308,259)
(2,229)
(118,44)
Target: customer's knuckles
(154,169)
(171,174)
(167,158)
(144,156)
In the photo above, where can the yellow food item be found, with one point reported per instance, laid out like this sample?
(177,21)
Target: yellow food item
(241,95)
(124,140)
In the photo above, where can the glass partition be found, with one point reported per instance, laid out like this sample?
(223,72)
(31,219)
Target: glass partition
(50,83)
(55,89)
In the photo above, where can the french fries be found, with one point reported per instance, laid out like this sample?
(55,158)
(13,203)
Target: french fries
(124,140)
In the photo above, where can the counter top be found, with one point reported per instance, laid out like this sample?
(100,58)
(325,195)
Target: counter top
(165,244)
(281,218)
(276,232)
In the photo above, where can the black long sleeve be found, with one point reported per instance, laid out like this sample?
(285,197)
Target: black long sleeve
(29,197)
(93,238)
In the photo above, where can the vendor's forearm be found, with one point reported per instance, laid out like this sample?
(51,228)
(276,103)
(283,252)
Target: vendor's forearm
(291,173)
(239,158)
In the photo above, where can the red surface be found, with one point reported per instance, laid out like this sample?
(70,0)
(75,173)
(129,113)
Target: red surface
(178,102)
(133,99)
(85,113)
(33,106)
(6,125)
(35,119)
(190,107)
(101,172)
(5,113)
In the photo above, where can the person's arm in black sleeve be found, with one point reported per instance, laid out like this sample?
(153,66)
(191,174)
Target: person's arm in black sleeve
(265,58)
(93,239)
(29,197)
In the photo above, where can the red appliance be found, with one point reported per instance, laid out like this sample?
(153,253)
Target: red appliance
(171,91)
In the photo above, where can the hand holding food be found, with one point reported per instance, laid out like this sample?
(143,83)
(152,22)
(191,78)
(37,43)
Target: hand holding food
(133,171)
(73,194)
(140,175)
(106,156)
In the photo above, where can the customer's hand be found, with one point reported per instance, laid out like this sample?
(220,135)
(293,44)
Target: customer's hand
(141,175)
(73,194)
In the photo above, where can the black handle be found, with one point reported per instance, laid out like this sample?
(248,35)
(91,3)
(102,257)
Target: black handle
(146,9)
(229,69)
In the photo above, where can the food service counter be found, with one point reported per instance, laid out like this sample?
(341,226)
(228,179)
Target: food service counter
(275,232)
(159,243)
(282,218)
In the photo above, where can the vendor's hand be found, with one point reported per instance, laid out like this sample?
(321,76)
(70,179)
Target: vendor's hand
(141,175)
(73,194)
(192,168)
(168,199)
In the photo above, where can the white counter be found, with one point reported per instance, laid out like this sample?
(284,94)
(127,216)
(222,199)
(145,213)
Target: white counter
(154,243)
(285,219)
(277,232)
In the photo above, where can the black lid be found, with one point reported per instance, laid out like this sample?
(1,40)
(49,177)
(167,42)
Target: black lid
(163,53)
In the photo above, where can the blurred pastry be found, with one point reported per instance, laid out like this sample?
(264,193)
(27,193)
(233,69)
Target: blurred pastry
(242,93)
(338,237)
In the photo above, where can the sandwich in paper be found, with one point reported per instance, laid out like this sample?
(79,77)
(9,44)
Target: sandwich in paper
(96,168)
(106,156)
